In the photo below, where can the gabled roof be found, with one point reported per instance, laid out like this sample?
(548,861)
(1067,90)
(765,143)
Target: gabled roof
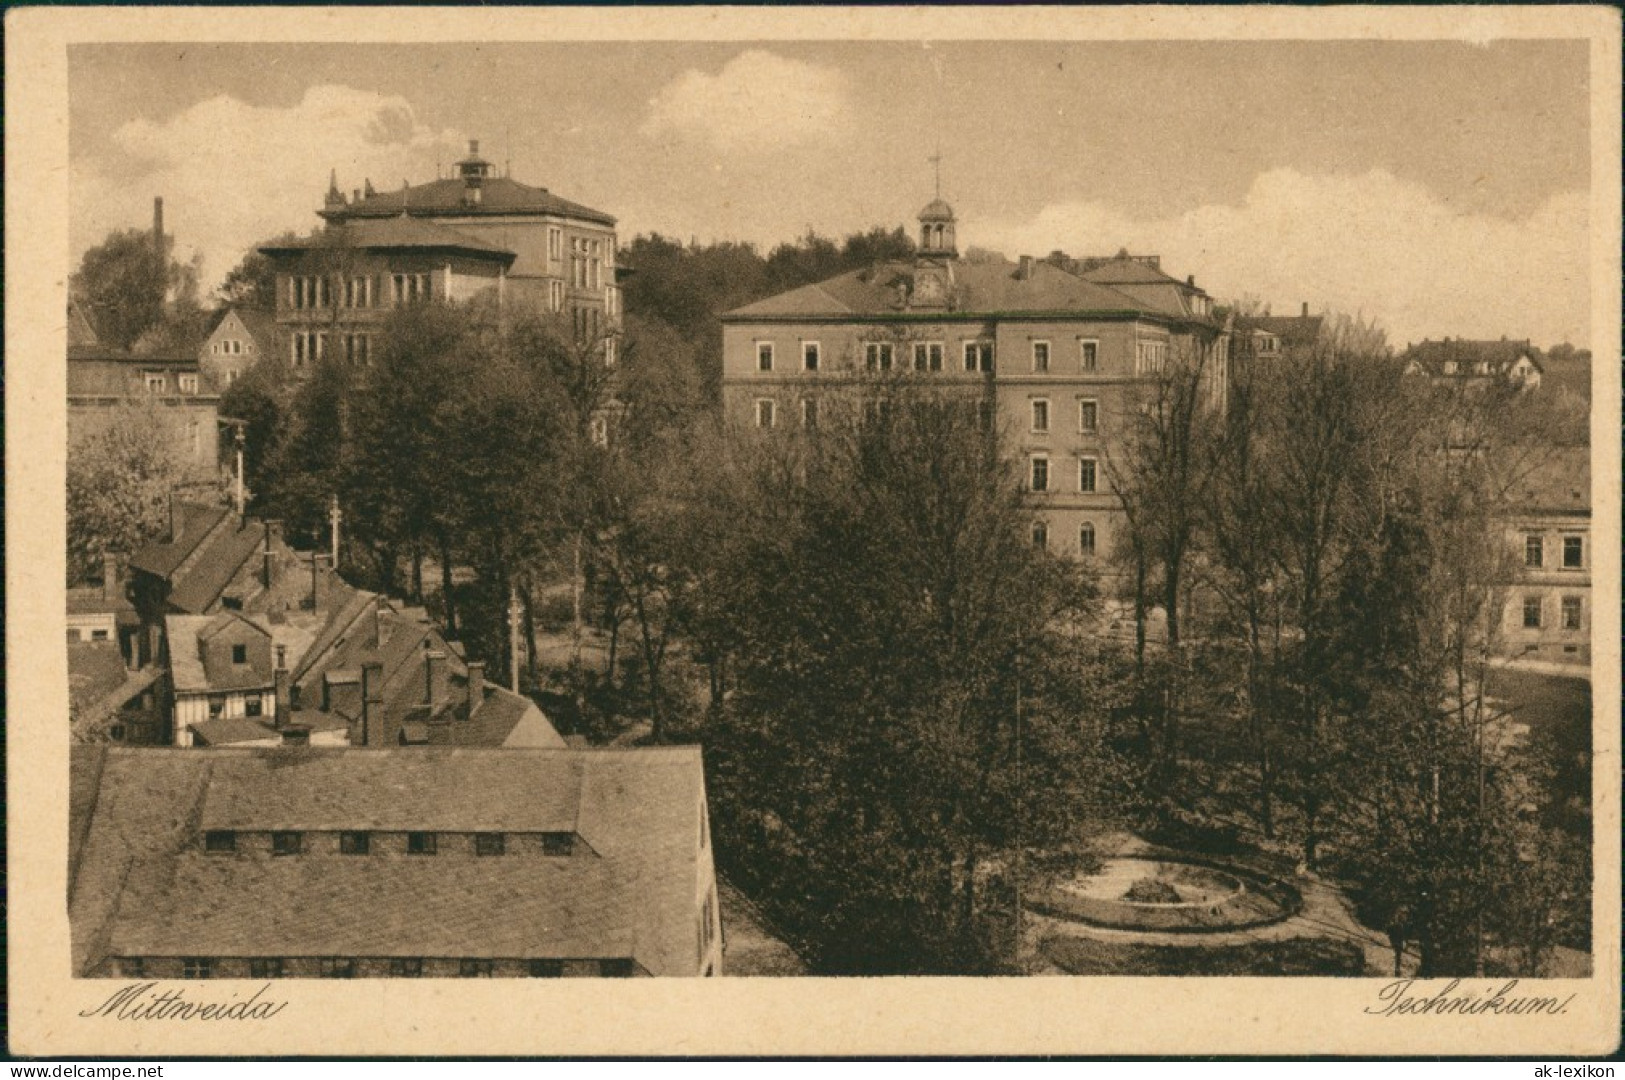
(1294,331)
(1432,356)
(141,885)
(444,198)
(980,288)
(197,522)
(397,233)
(223,556)
(1557,481)
(80,330)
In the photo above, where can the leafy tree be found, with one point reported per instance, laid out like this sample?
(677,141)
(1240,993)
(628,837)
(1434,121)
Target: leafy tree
(889,608)
(252,282)
(119,480)
(124,282)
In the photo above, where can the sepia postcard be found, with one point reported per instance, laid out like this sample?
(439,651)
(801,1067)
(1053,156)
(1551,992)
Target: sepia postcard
(924,531)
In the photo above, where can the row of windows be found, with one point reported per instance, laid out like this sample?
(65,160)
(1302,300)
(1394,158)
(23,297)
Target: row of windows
(1086,537)
(1534,552)
(586,262)
(1571,611)
(342,967)
(767,412)
(221,841)
(311,293)
(310,346)
(230,347)
(1038,478)
(976,356)
(1088,416)
(158,383)
(1150,357)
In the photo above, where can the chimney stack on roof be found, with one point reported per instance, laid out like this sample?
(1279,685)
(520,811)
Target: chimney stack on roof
(436,678)
(372,697)
(1306,309)
(273,533)
(110,582)
(1025,269)
(284,698)
(476,686)
(158,225)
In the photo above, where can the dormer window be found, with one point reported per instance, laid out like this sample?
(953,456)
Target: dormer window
(420,843)
(558,843)
(219,841)
(287,843)
(239,654)
(354,843)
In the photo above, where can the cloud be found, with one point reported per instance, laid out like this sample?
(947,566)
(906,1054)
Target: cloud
(233,174)
(758,99)
(1366,243)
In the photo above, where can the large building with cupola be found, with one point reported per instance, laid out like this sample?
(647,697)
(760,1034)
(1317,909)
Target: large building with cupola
(1061,348)
(476,233)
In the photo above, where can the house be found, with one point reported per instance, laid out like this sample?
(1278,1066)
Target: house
(1059,349)
(1265,337)
(564,252)
(1474,363)
(109,702)
(240,336)
(439,862)
(1548,614)
(213,560)
(104,612)
(394,680)
(102,382)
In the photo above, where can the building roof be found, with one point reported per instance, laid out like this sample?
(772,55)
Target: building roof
(1555,481)
(236,730)
(80,329)
(197,522)
(396,233)
(936,210)
(261,325)
(223,555)
(94,371)
(1431,356)
(191,674)
(444,198)
(980,288)
(95,671)
(141,885)
(1294,331)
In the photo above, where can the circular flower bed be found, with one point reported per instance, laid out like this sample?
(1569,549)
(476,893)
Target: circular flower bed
(1150,893)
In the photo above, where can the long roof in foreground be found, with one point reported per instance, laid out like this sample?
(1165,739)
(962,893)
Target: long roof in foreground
(445,198)
(140,883)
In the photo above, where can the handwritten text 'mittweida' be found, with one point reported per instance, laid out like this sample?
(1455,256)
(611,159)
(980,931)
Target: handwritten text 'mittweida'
(143,1001)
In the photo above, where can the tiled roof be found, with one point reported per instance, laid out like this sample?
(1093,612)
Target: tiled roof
(990,288)
(262,324)
(498,195)
(1466,354)
(141,884)
(196,522)
(221,559)
(1293,330)
(397,233)
(95,670)
(234,730)
(93,600)
(1556,481)
(92,372)
(80,330)
(188,671)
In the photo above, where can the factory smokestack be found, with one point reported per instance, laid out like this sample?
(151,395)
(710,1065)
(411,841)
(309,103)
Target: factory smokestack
(158,225)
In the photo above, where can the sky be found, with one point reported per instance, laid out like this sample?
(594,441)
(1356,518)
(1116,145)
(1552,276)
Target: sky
(1439,187)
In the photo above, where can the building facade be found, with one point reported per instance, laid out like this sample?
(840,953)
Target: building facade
(1061,353)
(104,384)
(1548,614)
(241,336)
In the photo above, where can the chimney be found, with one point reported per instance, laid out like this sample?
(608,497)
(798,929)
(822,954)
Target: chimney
(1306,309)
(372,697)
(1025,269)
(476,686)
(378,624)
(284,699)
(110,582)
(1190,280)
(296,735)
(158,225)
(273,531)
(436,685)
(174,520)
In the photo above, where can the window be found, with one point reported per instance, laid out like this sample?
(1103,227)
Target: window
(358,292)
(1531,613)
(155,382)
(764,356)
(809,355)
(1086,539)
(1573,552)
(1151,357)
(420,843)
(98,635)
(979,356)
(354,843)
(406,967)
(231,376)
(338,967)
(598,430)
(555,243)
(809,412)
(287,843)
(764,412)
(489,843)
(308,347)
(877,355)
(188,384)
(615,969)
(1040,535)
(197,967)
(555,295)
(1449,367)
(1087,471)
(1534,551)
(133,967)
(1088,417)
(545,969)
(558,843)
(239,654)
(1041,415)
(253,705)
(1040,474)
(475,969)
(1088,354)
(610,352)
(219,840)
(1041,356)
(358,349)
(265,968)
(217,706)
(411,288)
(1571,612)
(928,356)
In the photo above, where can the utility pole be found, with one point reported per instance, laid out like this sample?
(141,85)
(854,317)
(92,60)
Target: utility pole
(514,614)
(334,517)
